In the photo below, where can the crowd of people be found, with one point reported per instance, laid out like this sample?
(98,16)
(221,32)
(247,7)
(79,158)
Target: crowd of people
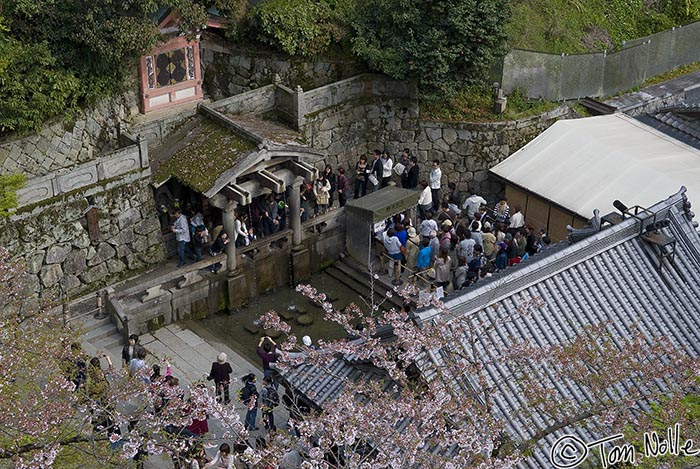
(462,242)
(467,240)
(93,381)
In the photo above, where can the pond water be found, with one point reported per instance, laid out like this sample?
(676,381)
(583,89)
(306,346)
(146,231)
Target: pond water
(231,328)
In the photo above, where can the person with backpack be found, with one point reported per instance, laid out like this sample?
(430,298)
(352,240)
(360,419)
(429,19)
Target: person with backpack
(269,399)
(249,396)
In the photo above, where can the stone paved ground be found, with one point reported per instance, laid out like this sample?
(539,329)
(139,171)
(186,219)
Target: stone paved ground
(191,357)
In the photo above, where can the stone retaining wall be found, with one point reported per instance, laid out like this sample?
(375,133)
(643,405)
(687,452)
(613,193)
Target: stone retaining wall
(468,150)
(230,70)
(370,112)
(62,145)
(54,241)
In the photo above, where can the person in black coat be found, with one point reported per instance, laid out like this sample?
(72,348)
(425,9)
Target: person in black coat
(221,374)
(250,397)
(412,174)
(130,350)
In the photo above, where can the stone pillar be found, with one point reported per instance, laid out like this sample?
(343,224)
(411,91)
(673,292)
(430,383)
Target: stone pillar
(294,208)
(229,216)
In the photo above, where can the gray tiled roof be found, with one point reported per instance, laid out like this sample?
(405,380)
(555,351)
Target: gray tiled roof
(610,276)
(680,123)
(320,385)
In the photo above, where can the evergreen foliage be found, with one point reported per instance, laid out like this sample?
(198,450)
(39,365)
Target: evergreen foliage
(299,27)
(444,44)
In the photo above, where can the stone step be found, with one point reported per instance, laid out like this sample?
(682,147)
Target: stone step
(111,342)
(104,330)
(90,323)
(362,278)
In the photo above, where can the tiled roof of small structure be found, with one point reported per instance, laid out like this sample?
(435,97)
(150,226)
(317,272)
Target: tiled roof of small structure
(681,122)
(611,276)
(323,384)
(198,152)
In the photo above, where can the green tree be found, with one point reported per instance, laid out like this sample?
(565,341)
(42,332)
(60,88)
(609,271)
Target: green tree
(444,44)
(299,27)
(55,55)
(32,88)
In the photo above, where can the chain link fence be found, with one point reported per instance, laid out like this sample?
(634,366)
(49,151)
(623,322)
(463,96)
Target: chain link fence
(559,77)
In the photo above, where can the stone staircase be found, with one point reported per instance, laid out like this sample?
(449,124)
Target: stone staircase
(350,275)
(98,335)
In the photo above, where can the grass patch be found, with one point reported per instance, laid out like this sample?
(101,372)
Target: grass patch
(475,104)
(573,26)
(208,152)
(671,74)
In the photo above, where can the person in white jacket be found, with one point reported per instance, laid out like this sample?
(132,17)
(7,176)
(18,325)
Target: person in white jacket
(387,166)
(223,459)
(425,202)
(241,231)
(435,181)
(472,205)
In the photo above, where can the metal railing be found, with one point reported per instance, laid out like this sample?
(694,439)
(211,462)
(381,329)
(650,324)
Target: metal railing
(415,274)
(265,241)
(116,314)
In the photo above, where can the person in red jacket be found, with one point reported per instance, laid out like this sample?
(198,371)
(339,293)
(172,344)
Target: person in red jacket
(267,352)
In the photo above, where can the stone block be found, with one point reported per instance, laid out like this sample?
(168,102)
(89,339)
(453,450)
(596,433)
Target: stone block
(436,155)
(433,133)
(464,134)
(238,291)
(449,135)
(133,262)
(104,252)
(57,253)
(123,251)
(481,176)
(75,262)
(336,148)
(36,190)
(301,265)
(115,266)
(94,274)
(70,283)
(152,293)
(119,164)
(461,147)
(441,145)
(155,238)
(80,177)
(140,243)
(128,217)
(190,278)
(50,275)
(148,225)
(34,261)
(125,236)
(81,240)
(425,145)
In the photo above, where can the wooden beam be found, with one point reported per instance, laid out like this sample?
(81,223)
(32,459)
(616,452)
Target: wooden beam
(304,170)
(269,180)
(238,194)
